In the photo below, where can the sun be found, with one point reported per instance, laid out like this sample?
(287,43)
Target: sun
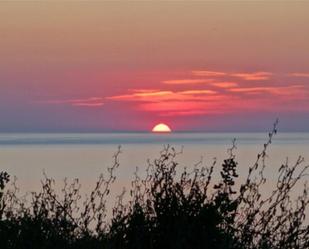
(163,128)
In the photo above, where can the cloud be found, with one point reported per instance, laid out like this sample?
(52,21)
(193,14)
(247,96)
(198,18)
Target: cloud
(188,102)
(208,73)
(144,90)
(217,96)
(253,76)
(171,106)
(305,75)
(225,84)
(242,75)
(184,108)
(82,102)
(194,92)
(184,113)
(280,90)
(157,96)
(139,95)
(88,104)
(187,81)
(247,76)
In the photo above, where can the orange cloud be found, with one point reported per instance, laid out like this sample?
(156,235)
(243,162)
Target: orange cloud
(184,113)
(189,102)
(193,92)
(253,76)
(149,96)
(154,99)
(183,108)
(141,95)
(225,84)
(187,81)
(220,97)
(283,90)
(208,73)
(171,106)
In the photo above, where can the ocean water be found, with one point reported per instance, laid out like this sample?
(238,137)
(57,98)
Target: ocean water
(85,156)
(18,139)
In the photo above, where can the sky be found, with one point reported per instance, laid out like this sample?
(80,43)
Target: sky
(126,66)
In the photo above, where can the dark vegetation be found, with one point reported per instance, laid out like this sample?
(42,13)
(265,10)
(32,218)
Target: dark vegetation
(166,209)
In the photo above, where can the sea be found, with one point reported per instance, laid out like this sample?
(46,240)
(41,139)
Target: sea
(27,157)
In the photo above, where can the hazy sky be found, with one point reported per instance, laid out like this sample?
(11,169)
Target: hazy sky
(101,66)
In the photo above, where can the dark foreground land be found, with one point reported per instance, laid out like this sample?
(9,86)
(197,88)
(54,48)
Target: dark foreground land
(165,209)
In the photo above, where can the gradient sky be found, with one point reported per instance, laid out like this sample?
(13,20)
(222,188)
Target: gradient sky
(125,66)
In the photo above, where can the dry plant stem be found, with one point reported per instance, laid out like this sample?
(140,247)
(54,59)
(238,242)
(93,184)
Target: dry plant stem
(168,208)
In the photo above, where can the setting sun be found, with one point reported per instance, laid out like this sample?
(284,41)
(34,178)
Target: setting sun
(161,128)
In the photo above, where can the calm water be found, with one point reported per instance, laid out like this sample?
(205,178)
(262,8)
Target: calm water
(87,155)
(149,138)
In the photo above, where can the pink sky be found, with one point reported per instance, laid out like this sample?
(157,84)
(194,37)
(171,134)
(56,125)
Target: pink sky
(117,66)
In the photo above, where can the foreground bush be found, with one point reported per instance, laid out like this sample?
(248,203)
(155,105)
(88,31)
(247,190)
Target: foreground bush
(166,209)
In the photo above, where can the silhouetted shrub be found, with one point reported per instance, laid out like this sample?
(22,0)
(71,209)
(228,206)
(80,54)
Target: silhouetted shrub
(166,209)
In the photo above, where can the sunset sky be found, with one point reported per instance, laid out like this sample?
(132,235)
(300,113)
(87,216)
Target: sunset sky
(125,66)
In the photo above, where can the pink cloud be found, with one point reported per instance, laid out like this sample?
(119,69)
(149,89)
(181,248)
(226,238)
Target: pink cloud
(187,81)
(194,92)
(225,84)
(88,104)
(184,113)
(171,106)
(178,103)
(208,73)
(183,108)
(152,96)
(217,96)
(139,95)
(208,101)
(282,90)
(248,76)
(253,76)
(83,102)
(305,75)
